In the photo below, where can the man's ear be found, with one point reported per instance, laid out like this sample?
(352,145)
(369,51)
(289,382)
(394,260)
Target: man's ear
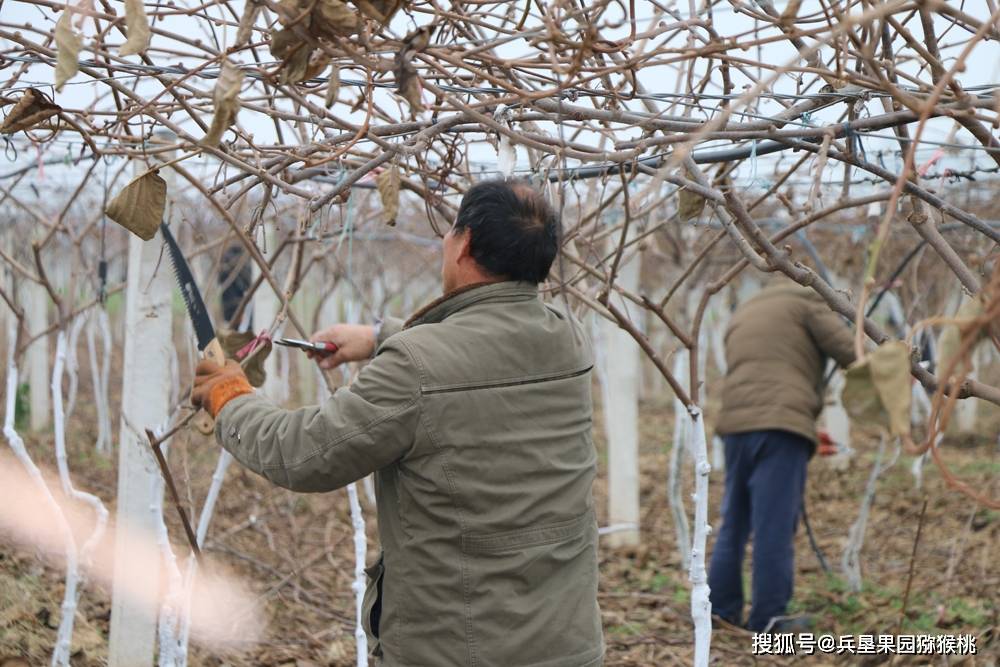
(464,239)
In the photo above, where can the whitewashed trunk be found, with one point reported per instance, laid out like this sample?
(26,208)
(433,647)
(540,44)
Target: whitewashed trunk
(35,302)
(6,284)
(701,604)
(266,306)
(145,391)
(620,392)
(60,654)
(81,557)
(850,561)
(680,445)
(100,376)
(834,417)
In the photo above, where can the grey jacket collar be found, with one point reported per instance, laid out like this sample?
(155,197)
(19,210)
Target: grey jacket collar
(451,303)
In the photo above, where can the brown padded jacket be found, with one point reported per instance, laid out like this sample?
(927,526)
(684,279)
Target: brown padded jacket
(776,349)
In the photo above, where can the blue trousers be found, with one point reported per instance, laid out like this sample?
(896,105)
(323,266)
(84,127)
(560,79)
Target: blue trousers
(765,479)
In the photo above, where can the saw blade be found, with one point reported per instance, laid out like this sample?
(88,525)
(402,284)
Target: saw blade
(203,329)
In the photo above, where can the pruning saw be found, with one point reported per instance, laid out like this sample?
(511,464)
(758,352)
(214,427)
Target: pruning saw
(208,344)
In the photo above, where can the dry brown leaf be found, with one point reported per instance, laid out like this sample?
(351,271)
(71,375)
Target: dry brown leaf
(139,206)
(303,64)
(294,12)
(378,10)
(388,190)
(137,24)
(877,388)
(30,110)
(690,204)
(332,87)
(333,19)
(225,100)
(407,80)
(234,341)
(410,87)
(283,42)
(245,29)
(68,45)
(951,334)
(295,65)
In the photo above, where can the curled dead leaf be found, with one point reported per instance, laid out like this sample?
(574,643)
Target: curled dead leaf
(951,335)
(234,341)
(690,204)
(877,388)
(379,10)
(303,64)
(283,42)
(388,190)
(408,81)
(139,206)
(33,108)
(332,19)
(294,12)
(225,99)
(137,24)
(68,45)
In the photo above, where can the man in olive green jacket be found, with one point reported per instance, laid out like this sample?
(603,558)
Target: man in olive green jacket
(475,417)
(777,344)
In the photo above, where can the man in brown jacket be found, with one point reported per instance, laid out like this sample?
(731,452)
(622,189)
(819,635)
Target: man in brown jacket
(475,417)
(776,350)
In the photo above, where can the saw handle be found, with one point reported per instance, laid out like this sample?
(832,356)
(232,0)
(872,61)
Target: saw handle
(204,422)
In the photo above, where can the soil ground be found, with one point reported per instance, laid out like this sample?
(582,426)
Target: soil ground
(296,551)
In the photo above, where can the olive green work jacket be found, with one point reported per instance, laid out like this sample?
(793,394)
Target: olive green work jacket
(476,420)
(777,344)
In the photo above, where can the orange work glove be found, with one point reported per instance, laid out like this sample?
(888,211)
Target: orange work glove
(215,385)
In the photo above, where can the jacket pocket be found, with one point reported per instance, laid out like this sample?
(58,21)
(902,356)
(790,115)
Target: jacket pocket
(371,607)
(522,538)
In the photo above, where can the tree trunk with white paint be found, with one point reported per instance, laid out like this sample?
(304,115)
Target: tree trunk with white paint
(834,417)
(60,654)
(850,561)
(145,391)
(620,392)
(81,556)
(701,605)
(682,435)
(35,302)
(266,306)
(100,374)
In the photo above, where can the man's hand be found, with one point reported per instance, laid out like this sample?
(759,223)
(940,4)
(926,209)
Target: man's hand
(216,385)
(827,447)
(355,342)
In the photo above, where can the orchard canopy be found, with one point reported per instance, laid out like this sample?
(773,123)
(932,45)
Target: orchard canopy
(312,153)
